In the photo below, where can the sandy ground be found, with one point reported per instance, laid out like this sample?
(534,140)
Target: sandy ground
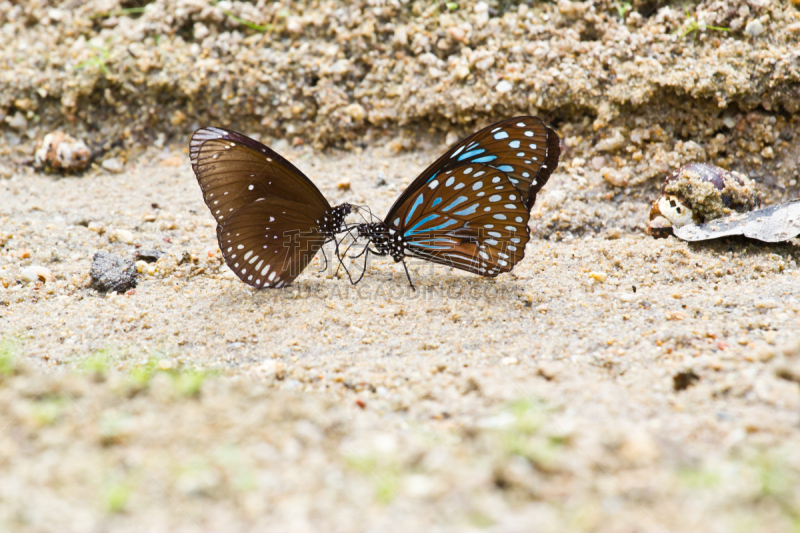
(612,382)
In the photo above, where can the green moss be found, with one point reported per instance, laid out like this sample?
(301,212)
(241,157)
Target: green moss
(384,473)
(698,478)
(480,520)
(188,383)
(116,496)
(46,412)
(98,362)
(8,351)
(140,376)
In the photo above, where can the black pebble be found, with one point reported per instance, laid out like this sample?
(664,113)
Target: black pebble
(112,273)
(148,256)
(684,380)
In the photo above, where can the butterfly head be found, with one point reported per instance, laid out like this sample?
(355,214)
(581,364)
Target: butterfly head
(334,222)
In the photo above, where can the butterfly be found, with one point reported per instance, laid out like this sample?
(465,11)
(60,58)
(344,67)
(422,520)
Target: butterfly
(271,220)
(470,209)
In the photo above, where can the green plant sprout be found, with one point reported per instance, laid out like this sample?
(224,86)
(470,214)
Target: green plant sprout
(692,24)
(451,6)
(98,60)
(623,8)
(244,22)
(118,12)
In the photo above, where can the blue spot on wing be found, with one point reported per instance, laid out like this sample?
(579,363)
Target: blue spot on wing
(436,202)
(501,135)
(457,201)
(470,154)
(485,159)
(468,211)
(442,226)
(506,168)
(412,231)
(417,203)
(431,178)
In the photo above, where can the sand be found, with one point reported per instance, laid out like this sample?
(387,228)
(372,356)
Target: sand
(610,383)
(545,398)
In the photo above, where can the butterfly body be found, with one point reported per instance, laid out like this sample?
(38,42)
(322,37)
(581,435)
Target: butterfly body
(383,241)
(271,219)
(470,209)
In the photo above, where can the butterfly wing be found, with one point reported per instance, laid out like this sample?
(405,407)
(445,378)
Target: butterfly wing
(230,167)
(522,148)
(268,212)
(470,209)
(472,220)
(268,243)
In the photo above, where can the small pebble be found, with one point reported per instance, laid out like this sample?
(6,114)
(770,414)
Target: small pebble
(114,164)
(683,380)
(598,162)
(18,121)
(754,28)
(35,273)
(599,277)
(344,185)
(461,71)
(120,235)
(614,177)
(112,273)
(503,87)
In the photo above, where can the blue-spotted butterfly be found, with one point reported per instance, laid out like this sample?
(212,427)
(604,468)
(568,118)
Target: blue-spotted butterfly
(271,220)
(470,209)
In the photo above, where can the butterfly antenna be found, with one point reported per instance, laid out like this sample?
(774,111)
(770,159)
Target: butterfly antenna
(360,210)
(408,276)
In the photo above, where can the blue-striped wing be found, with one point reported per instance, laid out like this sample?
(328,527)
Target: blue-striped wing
(523,148)
(471,218)
(470,209)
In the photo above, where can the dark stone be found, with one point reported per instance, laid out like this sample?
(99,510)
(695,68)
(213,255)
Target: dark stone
(684,380)
(112,273)
(149,256)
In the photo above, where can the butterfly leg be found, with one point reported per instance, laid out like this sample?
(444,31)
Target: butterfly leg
(407,275)
(366,256)
(341,262)
(362,253)
(326,258)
